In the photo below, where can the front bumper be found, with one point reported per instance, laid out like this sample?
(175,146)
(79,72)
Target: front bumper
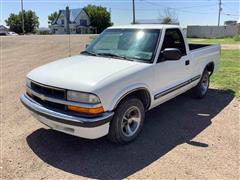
(86,127)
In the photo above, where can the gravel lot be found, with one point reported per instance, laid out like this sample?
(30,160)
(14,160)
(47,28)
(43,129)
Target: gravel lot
(183,138)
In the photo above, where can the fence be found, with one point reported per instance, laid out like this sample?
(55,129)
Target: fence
(212,31)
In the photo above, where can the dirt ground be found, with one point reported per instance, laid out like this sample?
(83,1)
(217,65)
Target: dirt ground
(230,46)
(183,138)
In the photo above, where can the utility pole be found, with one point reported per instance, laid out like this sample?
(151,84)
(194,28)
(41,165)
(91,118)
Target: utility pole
(133,11)
(67,20)
(219,11)
(23,30)
(110,11)
(68,29)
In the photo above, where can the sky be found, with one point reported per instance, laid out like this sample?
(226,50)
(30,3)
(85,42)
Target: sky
(188,12)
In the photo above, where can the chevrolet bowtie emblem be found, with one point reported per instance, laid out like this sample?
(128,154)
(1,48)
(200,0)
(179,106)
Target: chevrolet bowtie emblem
(42,97)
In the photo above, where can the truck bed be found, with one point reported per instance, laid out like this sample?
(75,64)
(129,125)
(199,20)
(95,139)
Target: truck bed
(203,54)
(197,46)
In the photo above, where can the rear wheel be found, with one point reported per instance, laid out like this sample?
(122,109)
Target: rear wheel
(127,121)
(201,89)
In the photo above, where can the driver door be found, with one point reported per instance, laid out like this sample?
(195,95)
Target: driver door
(171,75)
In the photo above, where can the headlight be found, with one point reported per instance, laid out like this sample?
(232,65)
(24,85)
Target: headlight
(28,83)
(82,97)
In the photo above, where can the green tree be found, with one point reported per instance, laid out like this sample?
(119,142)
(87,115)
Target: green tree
(31,22)
(51,17)
(99,17)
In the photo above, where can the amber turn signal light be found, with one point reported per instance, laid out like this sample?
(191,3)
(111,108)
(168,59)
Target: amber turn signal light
(92,111)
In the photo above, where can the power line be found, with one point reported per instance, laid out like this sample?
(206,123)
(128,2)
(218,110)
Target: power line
(182,11)
(226,6)
(186,11)
(187,7)
(228,14)
(176,9)
(196,6)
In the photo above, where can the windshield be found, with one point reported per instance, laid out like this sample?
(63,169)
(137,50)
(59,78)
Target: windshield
(128,44)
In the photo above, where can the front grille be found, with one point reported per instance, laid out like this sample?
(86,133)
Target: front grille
(49,91)
(49,104)
(56,93)
(61,108)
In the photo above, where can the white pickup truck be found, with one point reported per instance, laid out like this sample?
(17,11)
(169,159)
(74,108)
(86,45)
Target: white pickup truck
(123,73)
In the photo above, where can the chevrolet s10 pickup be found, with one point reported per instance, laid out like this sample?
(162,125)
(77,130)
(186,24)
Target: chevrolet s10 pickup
(123,73)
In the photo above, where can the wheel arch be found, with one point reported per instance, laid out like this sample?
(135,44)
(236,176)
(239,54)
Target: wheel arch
(140,92)
(210,67)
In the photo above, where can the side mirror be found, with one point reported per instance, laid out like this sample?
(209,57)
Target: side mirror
(171,54)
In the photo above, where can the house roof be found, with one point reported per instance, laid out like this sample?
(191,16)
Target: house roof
(2,27)
(73,14)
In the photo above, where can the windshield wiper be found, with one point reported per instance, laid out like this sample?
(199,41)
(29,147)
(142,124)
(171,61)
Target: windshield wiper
(116,56)
(89,53)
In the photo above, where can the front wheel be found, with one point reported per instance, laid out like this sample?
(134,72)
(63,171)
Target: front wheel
(201,89)
(127,121)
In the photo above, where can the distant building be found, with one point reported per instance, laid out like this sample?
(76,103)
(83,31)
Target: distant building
(155,21)
(3,30)
(229,23)
(79,23)
(213,31)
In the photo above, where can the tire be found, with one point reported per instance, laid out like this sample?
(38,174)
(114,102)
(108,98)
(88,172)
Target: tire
(127,121)
(201,89)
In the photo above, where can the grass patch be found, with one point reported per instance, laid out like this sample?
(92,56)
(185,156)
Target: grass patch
(227,40)
(237,38)
(227,78)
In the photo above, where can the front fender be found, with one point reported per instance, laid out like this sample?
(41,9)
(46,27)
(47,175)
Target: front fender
(124,92)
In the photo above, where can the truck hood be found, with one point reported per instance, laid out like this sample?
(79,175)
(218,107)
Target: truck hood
(81,73)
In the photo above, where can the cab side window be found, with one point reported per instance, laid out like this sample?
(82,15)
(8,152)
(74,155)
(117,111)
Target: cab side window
(173,39)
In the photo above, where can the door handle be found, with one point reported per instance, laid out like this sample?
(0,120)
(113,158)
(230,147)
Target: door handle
(187,62)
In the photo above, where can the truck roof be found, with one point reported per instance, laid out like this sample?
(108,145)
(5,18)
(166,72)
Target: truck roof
(145,26)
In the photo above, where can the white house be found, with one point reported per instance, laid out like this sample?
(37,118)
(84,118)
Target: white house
(3,30)
(79,23)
